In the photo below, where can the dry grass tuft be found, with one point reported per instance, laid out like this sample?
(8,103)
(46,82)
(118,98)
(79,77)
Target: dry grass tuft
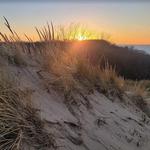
(14,47)
(138,92)
(73,71)
(47,33)
(112,83)
(13,55)
(104,80)
(138,88)
(19,121)
(63,68)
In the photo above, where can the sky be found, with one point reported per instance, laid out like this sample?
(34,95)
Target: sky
(126,22)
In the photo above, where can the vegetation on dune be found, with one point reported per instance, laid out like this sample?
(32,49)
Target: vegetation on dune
(19,121)
(13,48)
(72,62)
(74,73)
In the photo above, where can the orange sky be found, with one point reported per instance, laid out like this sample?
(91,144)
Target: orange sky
(126,23)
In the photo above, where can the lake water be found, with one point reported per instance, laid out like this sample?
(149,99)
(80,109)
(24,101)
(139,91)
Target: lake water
(145,48)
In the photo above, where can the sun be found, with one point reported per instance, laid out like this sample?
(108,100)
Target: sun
(81,37)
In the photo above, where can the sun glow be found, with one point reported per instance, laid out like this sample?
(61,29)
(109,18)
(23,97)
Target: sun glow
(81,37)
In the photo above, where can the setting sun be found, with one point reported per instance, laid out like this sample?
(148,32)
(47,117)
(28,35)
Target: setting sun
(81,37)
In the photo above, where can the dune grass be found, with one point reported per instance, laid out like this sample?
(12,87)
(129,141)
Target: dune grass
(69,67)
(139,88)
(19,121)
(13,46)
(73,71)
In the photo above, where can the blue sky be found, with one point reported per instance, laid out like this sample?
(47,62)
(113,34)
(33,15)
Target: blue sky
(126,22)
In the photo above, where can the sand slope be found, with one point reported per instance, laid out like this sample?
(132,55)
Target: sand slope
(87,121)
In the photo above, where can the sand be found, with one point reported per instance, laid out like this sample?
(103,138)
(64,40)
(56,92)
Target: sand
(88,122)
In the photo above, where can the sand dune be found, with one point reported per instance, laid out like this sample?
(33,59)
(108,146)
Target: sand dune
(88,121)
